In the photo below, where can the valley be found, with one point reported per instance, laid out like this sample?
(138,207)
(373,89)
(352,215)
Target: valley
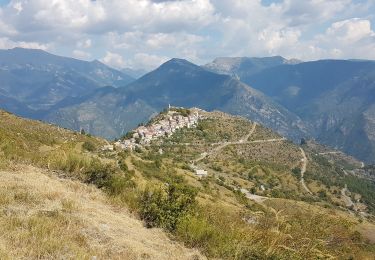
(333,98)
(294,98)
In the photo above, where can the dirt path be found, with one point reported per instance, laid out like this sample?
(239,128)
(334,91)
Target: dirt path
(241,141)
(254,197)
(111,232)
(224,144)
(303,170)
(221,145)
(346,198)
(262,141)
(329,153)
(250,133)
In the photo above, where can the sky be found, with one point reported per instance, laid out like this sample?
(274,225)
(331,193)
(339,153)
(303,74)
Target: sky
(142,34)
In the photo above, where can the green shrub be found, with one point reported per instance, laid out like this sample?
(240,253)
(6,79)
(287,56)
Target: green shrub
(164,207)
(117,184)
(108,177)
(123,166)
(73,163)
(296,172)
(196,231)
(89,146)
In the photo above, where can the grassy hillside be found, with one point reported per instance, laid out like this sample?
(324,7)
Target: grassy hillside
(251,205)
(272,217)
(29,141)
(46,217)
(47,196)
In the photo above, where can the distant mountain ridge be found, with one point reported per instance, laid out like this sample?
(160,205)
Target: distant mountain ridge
(329,100)
(245,66)
(334,98)
(39,80)
(135,73)
(180,83)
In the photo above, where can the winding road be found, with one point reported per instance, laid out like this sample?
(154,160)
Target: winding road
(254,197)
(329,153)
(224,144)
(303,170)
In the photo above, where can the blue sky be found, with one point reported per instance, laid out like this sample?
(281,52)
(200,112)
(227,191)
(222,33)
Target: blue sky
(145,33)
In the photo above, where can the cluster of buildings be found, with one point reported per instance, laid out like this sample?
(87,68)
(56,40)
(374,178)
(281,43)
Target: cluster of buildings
(165,126)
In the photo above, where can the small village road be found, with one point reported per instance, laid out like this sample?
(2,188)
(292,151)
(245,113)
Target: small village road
(303,170)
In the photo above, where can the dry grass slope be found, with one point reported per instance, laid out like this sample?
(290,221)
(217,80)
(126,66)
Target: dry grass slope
(44,217)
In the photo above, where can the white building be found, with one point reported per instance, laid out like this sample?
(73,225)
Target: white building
(164,127)
(201,173)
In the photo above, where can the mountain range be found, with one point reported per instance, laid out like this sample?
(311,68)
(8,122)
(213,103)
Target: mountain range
(334,98)
(112,112)
(243,67)
(332,101)
(39,80)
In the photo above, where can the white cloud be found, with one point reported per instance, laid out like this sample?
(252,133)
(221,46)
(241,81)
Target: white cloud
(158,46)
(138,60)
(198,30)
(84,44)
(114,60)
(275,40)
(299,12)
(79,54)
(351,30)
(6,43)
(164,40)
(68,14)
(147,61)
(103,15)
(6,29)
(18,6)
(140,41)
(161,17)
(351,38)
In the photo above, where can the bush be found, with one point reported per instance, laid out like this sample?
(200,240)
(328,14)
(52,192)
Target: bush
(73,163)
(296,172)
(109,177)
(89,146)
(137,149)
(322,194)
(196,231)
(123,166)
(165,207)
(117,184)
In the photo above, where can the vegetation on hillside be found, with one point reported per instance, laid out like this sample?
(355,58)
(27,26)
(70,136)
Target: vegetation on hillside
(157,183)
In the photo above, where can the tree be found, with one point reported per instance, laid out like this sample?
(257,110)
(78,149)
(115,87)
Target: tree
(296,172)
(165,207)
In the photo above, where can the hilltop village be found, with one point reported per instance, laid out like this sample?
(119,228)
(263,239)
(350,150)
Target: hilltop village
(164,124)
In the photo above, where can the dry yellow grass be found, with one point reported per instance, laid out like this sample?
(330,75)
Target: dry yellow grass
(44,217)
(367,229)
